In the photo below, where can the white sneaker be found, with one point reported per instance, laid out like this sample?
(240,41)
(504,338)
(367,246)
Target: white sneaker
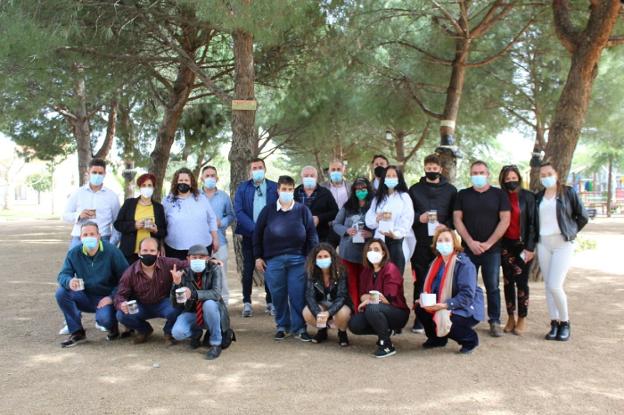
(247,310)
(270,309)
(100,328)
(64,330)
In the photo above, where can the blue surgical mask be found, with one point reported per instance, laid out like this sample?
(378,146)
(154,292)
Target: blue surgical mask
(478,180)
(210,183)
(444,248)
(90,242)
(392,182)
(335,176)
(309,182)
(198,265)
(96,179)
(257,175)
(549,181)
(286,197)
(323,263)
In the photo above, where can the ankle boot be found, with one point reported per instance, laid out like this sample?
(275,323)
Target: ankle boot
(563,334)
(554,330)
(511,324)
(520,326)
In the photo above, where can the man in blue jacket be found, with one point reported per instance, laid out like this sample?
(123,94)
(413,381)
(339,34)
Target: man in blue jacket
(251,197)
(87,283)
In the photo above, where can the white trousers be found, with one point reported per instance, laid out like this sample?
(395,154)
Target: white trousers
(555,256)
(222,255)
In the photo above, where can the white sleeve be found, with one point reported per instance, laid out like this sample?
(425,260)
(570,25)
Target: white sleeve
(371,216)
(406,219)
(71,214)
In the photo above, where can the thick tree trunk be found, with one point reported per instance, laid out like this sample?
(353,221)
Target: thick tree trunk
(126,135)
(166,131)
(80,125)
(534,180)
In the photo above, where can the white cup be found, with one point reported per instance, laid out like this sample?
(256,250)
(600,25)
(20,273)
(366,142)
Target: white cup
(80,284)
(133,307)
(321,319)
(374,296)
(181,295)
(427,300)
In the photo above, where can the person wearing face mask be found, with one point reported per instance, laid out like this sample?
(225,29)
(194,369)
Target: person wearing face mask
(350,225)
(560,216)
(319,200)
(222,206)
(251,197)
(458,307)
(340,189)
(391,214)
(433,193)
(93,202)
(284,235)
(204,307)
(481,216)
(88,283)
(189,215)
(517,248)
(383,308)
(378,166)
(139,218)
(327,299)
(148,282)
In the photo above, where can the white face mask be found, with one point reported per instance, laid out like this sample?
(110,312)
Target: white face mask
(374,257)
(146,192)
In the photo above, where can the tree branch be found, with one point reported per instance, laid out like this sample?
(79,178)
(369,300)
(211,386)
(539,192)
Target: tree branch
(566,32)
(450,18)
(419,102)
(615,40)
(434,58)
(111,125)
(491,17)
(421,141)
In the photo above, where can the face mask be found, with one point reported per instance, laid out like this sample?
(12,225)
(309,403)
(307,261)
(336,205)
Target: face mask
(335,176)
(478,181)
(511,186)
(146,192)
(432,175)
(286,197)
(549,181)
(198,265)
(374,257)
(379,171)
(392,182)
(361,194)
(148,260)
(309,182)
(323,263)
(183,188)
(96,179)
(89,242)
(257,175)
(444,248)
(210,183)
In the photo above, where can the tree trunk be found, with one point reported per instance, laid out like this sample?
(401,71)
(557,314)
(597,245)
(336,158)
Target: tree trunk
(534,181)
(166,131)
(610,187)
(399,148)
(126,135)
(244,136)
(80,125)
(111,126)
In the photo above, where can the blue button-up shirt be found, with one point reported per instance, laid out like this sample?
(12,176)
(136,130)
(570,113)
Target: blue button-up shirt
(259,200)
(222,206)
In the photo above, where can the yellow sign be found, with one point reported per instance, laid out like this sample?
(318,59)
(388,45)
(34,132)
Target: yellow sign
(244,104)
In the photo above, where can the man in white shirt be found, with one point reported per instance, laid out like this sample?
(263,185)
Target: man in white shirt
(93,202)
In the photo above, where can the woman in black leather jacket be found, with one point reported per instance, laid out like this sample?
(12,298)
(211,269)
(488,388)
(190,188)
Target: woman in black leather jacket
(560,216)
(327,297)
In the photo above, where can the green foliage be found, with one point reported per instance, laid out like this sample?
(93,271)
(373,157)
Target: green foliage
(40,182)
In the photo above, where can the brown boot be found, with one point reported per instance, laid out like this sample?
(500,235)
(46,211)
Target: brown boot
(511,324)
(142,337)
(520,326)
(169,340)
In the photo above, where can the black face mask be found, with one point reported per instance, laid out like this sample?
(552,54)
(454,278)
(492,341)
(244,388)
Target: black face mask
(432,175)
(511,186)
(148,260)
(379,171)
(183,187)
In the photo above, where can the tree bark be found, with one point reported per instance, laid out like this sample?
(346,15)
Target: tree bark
(111,126)
(80,124)
(610,187)
(127,137)
(534,180)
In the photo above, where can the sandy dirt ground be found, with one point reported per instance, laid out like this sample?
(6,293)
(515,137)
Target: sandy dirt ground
(509,375)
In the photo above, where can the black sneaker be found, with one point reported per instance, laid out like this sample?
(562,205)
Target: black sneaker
(196,340)
(74,339)
(467,350)
(113,334)
(418,327)
(385,349)
(304,336)
(213,353)
(206,339)
(280,335)
(343,339)
(432,343)
(320,336)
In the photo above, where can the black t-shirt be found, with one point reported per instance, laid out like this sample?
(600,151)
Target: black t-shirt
(481,211)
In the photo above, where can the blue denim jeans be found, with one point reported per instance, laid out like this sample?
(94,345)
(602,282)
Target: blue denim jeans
(489,263)
(285,275)
(163,309)
(185,326)
(72,303)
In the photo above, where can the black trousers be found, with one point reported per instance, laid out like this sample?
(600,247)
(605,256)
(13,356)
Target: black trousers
(462,330)
(181,254)
(379,319)
(515,275)
(249,265)
(421,261)
(395,246)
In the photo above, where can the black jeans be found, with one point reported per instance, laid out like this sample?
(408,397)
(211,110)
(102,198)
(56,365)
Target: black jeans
(379,319)
(395,246)
(249,264)
(462,330)
(421,261)
(181,254)
(489,263)
(515,274)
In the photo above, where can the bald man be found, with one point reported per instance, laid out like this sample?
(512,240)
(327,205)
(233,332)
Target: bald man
(318,199)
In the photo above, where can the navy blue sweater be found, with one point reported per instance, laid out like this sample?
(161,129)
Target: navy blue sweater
(279,232)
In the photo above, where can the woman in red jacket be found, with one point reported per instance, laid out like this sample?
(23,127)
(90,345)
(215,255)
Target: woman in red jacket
(381,298)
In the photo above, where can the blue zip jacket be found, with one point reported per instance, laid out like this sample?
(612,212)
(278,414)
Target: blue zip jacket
(467,300)
(243,205)
(101,272)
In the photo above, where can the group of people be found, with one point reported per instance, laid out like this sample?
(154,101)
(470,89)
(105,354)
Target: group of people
(333,254)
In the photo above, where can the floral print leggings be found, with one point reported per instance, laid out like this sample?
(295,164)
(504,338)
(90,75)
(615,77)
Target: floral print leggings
(515,274)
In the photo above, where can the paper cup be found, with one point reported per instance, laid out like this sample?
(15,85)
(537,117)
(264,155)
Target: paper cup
(181,295)
(374,296)
(133,307)
(427,300)
(321,320)
(80,284)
